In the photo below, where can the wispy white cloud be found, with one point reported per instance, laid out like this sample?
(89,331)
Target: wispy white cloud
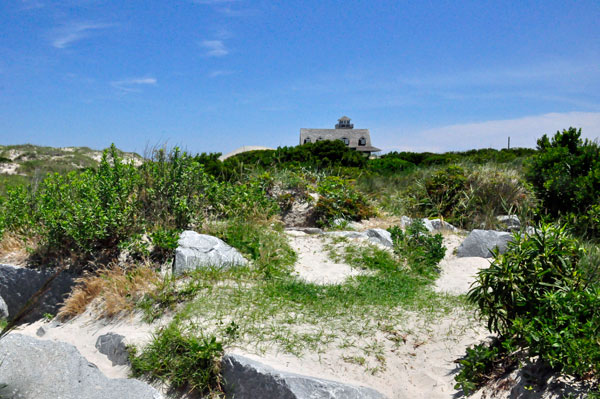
(68,34)
(523,132)
(133,84)
(215,48)
(217,73)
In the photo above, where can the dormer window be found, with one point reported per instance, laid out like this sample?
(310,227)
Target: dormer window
(362,141)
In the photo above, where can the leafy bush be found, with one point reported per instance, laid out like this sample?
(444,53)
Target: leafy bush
(174,189)
(180,358)
(319,155)
(421,251)
(444,188)
(565,174)
(533,265)
(340,200)
(542,297)
(89,211)
(389,165)
(17,211)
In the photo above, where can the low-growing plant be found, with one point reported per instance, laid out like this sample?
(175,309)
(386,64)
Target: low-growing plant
(480,364)
(418,248)
(267,247)
(180,357)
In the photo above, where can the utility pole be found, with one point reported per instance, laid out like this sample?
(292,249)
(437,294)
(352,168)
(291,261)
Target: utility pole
(509,142)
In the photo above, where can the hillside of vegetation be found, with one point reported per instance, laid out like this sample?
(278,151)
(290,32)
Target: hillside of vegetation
(20,164)
(117,224)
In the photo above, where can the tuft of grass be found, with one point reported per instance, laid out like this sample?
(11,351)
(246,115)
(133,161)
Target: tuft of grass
(119,289)
(181,358)
(266,245)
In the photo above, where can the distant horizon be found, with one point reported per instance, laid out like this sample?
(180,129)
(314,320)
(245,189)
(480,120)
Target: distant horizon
(215,75)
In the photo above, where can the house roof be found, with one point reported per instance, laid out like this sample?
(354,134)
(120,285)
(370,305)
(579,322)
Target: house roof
(344,118)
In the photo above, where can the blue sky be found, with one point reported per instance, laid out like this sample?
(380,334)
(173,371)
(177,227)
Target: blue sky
(213,75)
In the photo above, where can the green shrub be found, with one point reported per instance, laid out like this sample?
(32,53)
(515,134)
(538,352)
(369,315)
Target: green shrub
(174,189)
(421,251)
(444,189)
(532,266)
(389,165)
(90,211)
(180,358)
(17,211)
(543,298)
(565,174)
(165,242)
(340,200)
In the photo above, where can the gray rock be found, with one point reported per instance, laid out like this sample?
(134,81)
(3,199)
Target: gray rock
(509,222)
(438,225)
(41,331)
(430,224)
(3,309)
(248,379)
(113,346)
(201,250)
(18,284)
(380,236)
(34,369)
(480,243)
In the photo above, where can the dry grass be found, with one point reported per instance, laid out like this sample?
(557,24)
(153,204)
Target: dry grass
(15,249)
(116,289)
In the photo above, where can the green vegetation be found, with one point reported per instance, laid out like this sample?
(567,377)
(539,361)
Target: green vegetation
(420,250)
(565,173)
(180,357)
(542,298)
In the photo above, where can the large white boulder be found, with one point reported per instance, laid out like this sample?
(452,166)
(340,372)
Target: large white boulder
(201,250)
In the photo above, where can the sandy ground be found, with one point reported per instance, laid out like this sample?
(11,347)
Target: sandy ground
(313,264)
(457,274)
(418,364)
(9,168)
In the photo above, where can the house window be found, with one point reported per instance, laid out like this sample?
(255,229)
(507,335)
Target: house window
(320,138)
(345,140)
(362,141)
(307,140)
